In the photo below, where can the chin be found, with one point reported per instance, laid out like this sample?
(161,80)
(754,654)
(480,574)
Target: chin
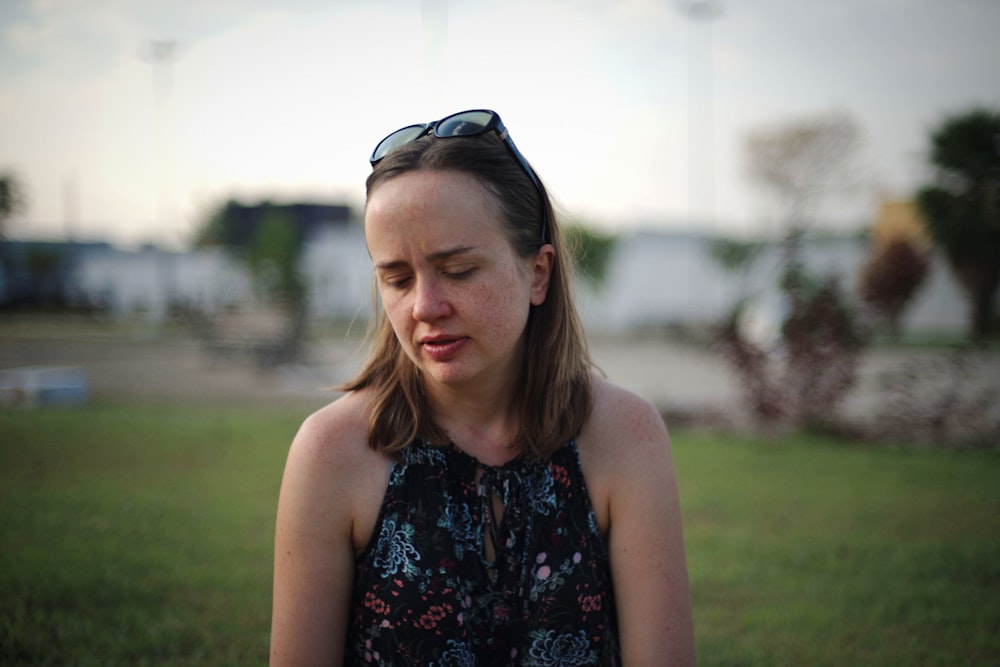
(448,373)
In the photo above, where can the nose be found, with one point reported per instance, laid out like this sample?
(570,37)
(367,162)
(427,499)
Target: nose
(430,302)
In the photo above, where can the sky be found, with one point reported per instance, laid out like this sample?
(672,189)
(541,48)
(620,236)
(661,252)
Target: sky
(130,120)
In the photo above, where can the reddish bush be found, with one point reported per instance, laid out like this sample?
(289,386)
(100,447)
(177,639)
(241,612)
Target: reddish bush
(815,364)
(891,278)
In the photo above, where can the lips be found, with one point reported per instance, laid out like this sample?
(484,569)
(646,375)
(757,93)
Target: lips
(442,348)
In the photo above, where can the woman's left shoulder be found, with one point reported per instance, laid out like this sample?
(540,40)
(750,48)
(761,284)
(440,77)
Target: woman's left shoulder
(626,455)
(624,440)
(620,416)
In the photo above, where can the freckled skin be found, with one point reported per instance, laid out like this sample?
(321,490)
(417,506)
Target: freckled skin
(458,298)
(447,273)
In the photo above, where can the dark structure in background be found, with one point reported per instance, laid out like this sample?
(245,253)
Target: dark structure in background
(39,274)
(268,240)
(238,225)
(43,275)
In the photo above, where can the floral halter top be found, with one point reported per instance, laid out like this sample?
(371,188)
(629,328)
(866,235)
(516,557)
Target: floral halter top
(473,565)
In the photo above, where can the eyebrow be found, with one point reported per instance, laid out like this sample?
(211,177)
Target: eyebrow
(434,257)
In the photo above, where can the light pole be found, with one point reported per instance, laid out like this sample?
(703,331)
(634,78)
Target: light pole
(435,27)
(701,141)
(161,55)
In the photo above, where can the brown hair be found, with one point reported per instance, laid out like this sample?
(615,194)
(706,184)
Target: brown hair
(556,394)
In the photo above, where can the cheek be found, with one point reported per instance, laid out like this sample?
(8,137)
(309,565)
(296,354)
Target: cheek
(396,311)
(508,312)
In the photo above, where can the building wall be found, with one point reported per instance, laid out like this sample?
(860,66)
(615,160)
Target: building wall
(338,274)
(662,278)
(654,279)
(150,280)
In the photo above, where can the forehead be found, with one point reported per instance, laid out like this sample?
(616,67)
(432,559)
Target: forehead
(431,205)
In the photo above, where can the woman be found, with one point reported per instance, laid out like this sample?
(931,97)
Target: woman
(479,496)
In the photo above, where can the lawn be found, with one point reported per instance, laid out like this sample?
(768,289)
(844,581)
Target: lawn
(815,552)
(138,536)
(143,536)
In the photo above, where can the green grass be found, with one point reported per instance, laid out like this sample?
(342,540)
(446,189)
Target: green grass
(809,551)
(138,536)
(133,536)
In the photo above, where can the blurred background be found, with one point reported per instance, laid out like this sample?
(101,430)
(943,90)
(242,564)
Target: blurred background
(130,121)
(786,221)
(198,169)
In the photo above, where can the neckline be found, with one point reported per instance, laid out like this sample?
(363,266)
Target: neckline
(518,462)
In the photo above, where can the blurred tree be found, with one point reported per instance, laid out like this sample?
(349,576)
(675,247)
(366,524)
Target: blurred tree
(273,257)
(12,200)
(802,162)
(737,257)
(591,252)
(891,277)
(798,164)
(962,207)
(734,255)
(820,343)
(268,239)
(217,227)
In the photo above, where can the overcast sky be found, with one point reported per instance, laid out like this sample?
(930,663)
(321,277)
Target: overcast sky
(285,99)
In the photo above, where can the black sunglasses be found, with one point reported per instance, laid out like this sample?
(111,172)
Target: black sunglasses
(472,123)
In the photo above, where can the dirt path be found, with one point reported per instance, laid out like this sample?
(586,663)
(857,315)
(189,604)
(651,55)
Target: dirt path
(140,368)
(137,367)
(171,371)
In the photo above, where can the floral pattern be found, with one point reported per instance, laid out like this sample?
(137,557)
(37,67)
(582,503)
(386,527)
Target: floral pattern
(449,580)
(549,649)
(395,549)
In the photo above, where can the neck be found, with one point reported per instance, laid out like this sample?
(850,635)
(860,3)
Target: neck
(480,422)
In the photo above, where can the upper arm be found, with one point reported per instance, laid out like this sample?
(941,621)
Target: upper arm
(314,552)
(646,542)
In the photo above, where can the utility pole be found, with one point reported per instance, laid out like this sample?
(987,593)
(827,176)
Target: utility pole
(435,26)
(161,55)
(701,140)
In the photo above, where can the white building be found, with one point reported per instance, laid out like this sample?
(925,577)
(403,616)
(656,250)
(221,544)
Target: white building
(150,280)
(664,278)
(338,274)
(655,279)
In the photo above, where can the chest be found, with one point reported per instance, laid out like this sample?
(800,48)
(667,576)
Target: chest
(488,557)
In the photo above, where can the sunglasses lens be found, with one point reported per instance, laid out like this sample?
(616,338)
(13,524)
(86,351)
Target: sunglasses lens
(395,140)
(465,124)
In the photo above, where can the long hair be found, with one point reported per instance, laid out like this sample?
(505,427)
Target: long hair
(555,394)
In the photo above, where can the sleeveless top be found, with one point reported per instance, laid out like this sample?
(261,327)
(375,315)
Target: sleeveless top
(443,582)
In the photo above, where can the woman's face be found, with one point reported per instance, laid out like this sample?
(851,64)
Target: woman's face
(455,292)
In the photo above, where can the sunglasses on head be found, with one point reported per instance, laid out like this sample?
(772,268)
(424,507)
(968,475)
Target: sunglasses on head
(472,123)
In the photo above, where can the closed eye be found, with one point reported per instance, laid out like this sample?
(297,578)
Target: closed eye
(459,273)
(396,281)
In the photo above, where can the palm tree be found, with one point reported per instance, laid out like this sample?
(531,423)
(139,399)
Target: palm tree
(962,207)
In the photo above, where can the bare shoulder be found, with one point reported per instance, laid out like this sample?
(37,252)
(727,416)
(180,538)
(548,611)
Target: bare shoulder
(328,505)
(331,467)
(623,428)
(627,459)
(339,425)
(623,447)
(336,436)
